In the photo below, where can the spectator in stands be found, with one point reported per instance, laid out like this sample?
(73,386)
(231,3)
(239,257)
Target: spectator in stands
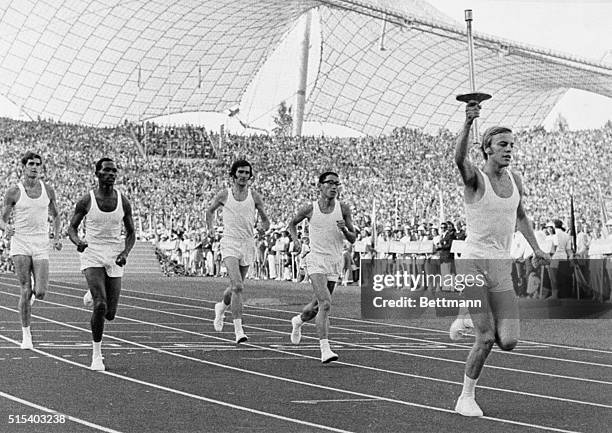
(447,235)
(517,253)
(159,185)
(562,250)
(304,250)
(209,257)
(273,239)
(261,248)
(460,234)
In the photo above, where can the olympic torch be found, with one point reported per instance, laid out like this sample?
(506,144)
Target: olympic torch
(474,96)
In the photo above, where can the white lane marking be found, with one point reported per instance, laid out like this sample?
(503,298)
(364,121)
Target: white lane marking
(341,363)
(511,353)
(255,373)
(361,321)
(182,393)
(51,411)
(391,325)
(514,370)
(267,358)
(337,400)
(380,334)
(414,355)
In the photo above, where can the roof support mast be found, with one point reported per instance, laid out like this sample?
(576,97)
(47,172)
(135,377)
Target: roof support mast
(300,100)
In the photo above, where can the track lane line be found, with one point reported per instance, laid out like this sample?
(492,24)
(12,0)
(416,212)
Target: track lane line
(458,346)
(167,389)
(311,357)
(374,348)
(54,412)
(198,318)
(358,394)
(369,322)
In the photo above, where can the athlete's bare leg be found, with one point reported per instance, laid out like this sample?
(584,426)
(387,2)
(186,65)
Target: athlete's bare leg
(96,281)
(24,270)
(101,292)
(311,309)
(495,322)
(41,277)
(323,295)
(113,290)
(237,274)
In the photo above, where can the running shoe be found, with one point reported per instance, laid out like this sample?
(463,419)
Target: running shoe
(467,406)
(88,300)
(296,332)
(459,327)
(26,343)
(328,356)
(241,338)
(97,364)
(219,313)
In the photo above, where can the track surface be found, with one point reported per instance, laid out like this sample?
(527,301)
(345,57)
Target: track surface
(169,371)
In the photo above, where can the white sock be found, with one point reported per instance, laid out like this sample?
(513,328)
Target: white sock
(25,330)
(238,326)
(299,319)
(97,349)
(469,387)
(324,343)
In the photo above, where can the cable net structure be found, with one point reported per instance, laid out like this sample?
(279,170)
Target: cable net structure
(384,63)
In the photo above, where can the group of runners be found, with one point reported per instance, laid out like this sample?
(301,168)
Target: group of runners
(493,203)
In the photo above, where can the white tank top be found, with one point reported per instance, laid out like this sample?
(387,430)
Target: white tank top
(325,237)
(104,228)
(563,242)
(239,217)
(30,215)
(490,222)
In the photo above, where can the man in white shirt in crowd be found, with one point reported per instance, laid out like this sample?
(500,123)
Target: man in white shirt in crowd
(562,250)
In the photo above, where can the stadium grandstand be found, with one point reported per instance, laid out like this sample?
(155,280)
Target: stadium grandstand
(95,78)
(390,70)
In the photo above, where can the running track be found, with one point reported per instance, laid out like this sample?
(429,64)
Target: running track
(168,370)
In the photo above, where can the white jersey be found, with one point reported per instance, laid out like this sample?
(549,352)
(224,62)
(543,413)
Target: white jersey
(491,222)
(31,214)
(239,217)
(563,242)
(325,237)
(104,228)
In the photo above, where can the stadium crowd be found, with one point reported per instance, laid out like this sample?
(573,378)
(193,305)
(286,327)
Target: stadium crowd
(181,141)
(410,174)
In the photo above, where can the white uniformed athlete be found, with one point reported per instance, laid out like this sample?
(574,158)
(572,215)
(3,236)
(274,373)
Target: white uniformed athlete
(31,201)
(240,208)
(102,253)
(330,224)
(493,203)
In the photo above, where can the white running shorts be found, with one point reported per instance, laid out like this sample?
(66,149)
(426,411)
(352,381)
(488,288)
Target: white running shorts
(242,249)
(35,246)
(102,256)
(327,265)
